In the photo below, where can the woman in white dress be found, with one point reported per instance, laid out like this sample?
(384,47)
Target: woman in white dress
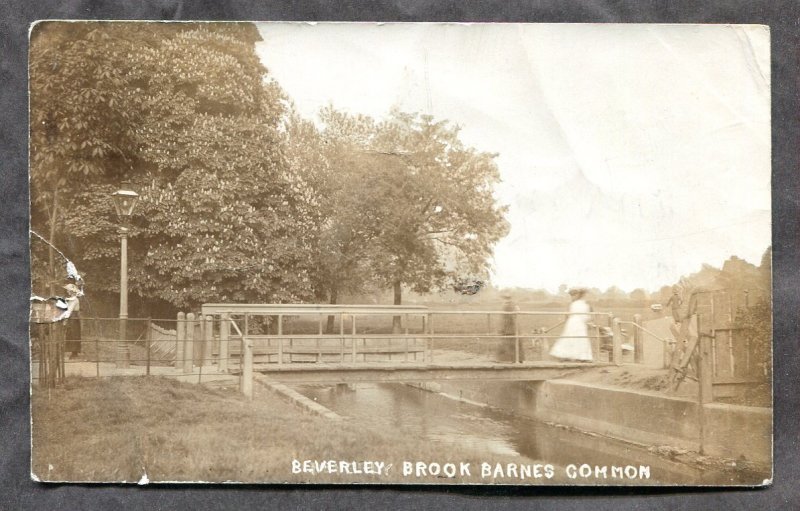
(574,343)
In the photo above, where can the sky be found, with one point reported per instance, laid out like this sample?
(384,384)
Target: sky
(629,154)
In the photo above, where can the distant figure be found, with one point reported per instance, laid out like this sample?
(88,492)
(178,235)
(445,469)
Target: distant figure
(574,343)
(507,351)
(685,310)
(685,357)
(688,330)
(675,302)
(72,318)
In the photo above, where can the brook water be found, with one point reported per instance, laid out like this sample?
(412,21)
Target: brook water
(430,417)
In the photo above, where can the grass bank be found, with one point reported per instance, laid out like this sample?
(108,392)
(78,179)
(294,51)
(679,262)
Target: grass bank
(117,429)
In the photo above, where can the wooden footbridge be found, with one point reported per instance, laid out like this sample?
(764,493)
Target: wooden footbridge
(348,344)
(415,372)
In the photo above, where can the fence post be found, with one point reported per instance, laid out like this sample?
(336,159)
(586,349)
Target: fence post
(200,341)
(638,343)
(405,358)
(424,340)
(245,333)
(200,335)
(224,336)
(247,368)
(705,379)
(180,340)
(188,353)
(352,339)
(616,353)
(516,338)
(280,338)
(208,331)
(148,340)
(705,369)
(353,331)
(432,341)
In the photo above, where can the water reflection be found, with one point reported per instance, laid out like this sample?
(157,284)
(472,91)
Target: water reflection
(484,430)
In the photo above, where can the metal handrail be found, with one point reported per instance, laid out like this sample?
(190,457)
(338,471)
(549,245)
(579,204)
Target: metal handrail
(519,313)
(420,335)
(643,329)
(400,312)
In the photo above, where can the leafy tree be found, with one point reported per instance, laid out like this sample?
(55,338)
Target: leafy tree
(347,228)
(614,294)
(186,113)
(82,121)
(332,162)
(434,199)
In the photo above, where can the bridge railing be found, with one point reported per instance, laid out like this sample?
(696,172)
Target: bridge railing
(420,335)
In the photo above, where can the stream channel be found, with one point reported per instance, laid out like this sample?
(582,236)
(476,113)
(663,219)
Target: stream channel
(431,417)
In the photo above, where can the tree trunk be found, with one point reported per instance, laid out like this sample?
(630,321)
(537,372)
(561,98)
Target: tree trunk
(397,320)
(331,318)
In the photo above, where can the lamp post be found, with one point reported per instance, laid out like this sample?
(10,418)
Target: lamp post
(124,202)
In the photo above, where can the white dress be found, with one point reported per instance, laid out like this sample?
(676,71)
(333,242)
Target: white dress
(574,343)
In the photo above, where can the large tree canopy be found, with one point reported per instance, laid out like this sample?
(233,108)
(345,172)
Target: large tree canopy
(401,203)
(332,160)
(186,113)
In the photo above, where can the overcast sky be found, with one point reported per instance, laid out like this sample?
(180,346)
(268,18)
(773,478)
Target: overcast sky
(629,154)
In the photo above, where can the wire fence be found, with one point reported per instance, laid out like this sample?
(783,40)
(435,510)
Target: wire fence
(105,347)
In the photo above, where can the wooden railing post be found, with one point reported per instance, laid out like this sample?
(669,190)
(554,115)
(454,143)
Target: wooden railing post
(616,352)
(516,338)
(247,368)
(180,340)
(245,332)
(188,353)
(705,378)
(353,333)
(208,332)
(705,369)
(224,336)
(200,349)
(280,340)
(638,348)
(352,339)
(424,340)
(405,358)
(432,341)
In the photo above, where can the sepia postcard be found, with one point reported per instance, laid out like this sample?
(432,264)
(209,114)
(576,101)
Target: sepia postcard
(390,253)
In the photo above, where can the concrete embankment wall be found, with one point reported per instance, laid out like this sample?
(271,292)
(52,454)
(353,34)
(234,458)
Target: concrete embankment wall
(637,416)
(733,430)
